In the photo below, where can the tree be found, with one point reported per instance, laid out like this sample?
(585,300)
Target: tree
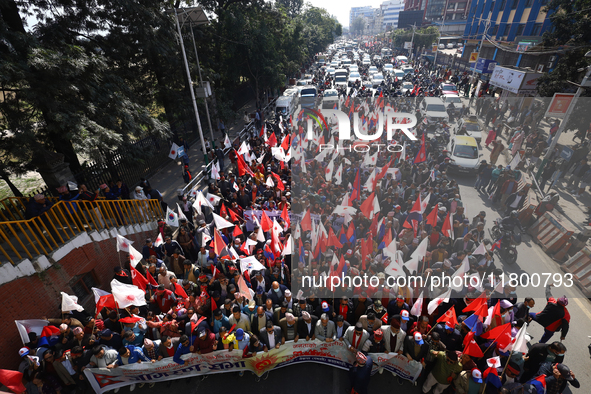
(293,7)
(423,37)
(357,26)
(570,27)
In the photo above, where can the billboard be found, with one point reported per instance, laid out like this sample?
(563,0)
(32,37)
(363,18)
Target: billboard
(408,18)
(559,105)
(485,66)
(514,81)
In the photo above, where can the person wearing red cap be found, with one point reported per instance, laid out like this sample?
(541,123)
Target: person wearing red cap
(360,373)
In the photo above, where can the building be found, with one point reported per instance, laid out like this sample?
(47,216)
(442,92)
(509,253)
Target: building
(390,13)
(407,19)
(451,10)
(363,12)
(516,26)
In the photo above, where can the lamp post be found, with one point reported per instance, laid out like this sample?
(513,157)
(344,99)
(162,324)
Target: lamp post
(193,99)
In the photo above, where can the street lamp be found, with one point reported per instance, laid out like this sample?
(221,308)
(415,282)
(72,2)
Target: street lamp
(198,18)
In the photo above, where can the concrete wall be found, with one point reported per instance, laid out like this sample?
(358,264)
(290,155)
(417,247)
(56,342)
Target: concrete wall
(33,293)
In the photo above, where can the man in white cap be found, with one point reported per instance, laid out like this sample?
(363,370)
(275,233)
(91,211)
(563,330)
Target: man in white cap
(469,382)
(360,373)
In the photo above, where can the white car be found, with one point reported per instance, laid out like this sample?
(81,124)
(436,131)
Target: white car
(441,46)
(388,68)
(406,87)
(407,69)
(464,154)
(472,125)
(433,109)
(354,68)
(455,100)
(450,46)
(366,62)
(377,79)
(398,73)
(354,76)
(330,71)
(330,98)
(377,58)
(372,70)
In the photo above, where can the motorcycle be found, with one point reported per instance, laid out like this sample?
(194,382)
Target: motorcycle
(509,241)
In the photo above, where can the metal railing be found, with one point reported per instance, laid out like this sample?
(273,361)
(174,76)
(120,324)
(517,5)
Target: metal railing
(203,175)
(66,219)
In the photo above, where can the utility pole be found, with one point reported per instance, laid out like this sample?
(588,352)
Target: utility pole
(486,25)
(412,40)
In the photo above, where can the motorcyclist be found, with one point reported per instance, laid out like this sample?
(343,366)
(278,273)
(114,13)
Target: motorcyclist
(511,221)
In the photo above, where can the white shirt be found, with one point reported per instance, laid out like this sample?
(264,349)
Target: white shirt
(271,339)
(516,201)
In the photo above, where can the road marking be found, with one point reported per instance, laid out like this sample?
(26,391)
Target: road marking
(583,308)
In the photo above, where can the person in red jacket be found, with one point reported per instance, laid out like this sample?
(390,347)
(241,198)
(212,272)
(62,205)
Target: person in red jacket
(163,298)
(205,342)
(554,317)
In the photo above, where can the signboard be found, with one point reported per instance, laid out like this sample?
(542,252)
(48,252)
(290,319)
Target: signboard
(473,57)
(181,151)
(523,46)
(434,48)
(407,44)
(485,66)
(514,81)
(334,354)
(566,153)
(559,105)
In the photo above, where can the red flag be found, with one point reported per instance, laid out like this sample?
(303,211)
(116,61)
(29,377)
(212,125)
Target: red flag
(417,205)
(243,168)
(179,291)
(130,319)
(332,239)
(219,243)
(475,304)
(262,131)
(236,231)
(482,311)
(243,288)
(266,222)
(285,215)
(106,301)
(138,279)
(13,380)
(306,223)
(341,265)
(500,334)
(421,156)
(214,305)
(449,318)
(272,141)
(350,231)
(432,218)
(373,227)
(384,170)
(195,324)
(223,211)
(446,227)
(285,143)
(233,215)
(385,318)
(469,336)
(279,182)
(367,207)
(473,349)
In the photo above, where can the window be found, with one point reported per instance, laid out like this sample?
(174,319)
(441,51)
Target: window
(494,30)
(82,286)
(506,31)
(528,3)
(537,29)
(503,5)
(520,30)
(514,4)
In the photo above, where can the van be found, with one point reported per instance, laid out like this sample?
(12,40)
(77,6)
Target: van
(433,109)
(340,78)
(401,59)
(308,96)
(464,154)
(285,106)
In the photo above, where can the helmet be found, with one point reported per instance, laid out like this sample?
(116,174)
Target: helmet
(514,214)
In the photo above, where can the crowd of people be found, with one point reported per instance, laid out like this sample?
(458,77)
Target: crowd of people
(400,207)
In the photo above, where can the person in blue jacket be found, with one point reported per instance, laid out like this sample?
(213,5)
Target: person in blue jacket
(131,354)
(360,373)
(183,348)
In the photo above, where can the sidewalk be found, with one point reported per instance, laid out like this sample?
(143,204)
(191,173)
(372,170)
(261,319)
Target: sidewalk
(571,209)
(170,178)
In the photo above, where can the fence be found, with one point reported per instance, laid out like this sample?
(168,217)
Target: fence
(66,219)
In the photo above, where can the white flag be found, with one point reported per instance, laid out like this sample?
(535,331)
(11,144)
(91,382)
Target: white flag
(72,185)
(394,269)
(328,171)
(338,175)
(515,162)
(227,142)
(480,250)
(213,199)
(123,243)
(98,293)
(438,301)
(159,241)
(24,327)
(181,214)
(134,256)
(220,222)
(250,263)
(243,148)
(201,201)
(172,219)
(288,247)
(173,151)
(421,250)
(519,343)
(417,308)
(270,182)
(70,303)
(126,295)
(215,171)
(413,264)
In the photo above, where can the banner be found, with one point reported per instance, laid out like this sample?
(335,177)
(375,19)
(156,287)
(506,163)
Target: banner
(334,354)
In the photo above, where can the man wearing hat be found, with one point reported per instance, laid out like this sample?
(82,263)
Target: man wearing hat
(377,309)
(288,326)
(447,367)
(110,339)
(325,308)
(37,206)
(554,317)
(415,348)
(558,376)
(370,322)
(306,326)
(469,382)
(377,343)
(360,373)
(539,354)
(204,342)
(357,339)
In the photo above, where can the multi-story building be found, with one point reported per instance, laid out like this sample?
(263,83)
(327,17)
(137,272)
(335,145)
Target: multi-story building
(390,13)
(451,10)
(363,12)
